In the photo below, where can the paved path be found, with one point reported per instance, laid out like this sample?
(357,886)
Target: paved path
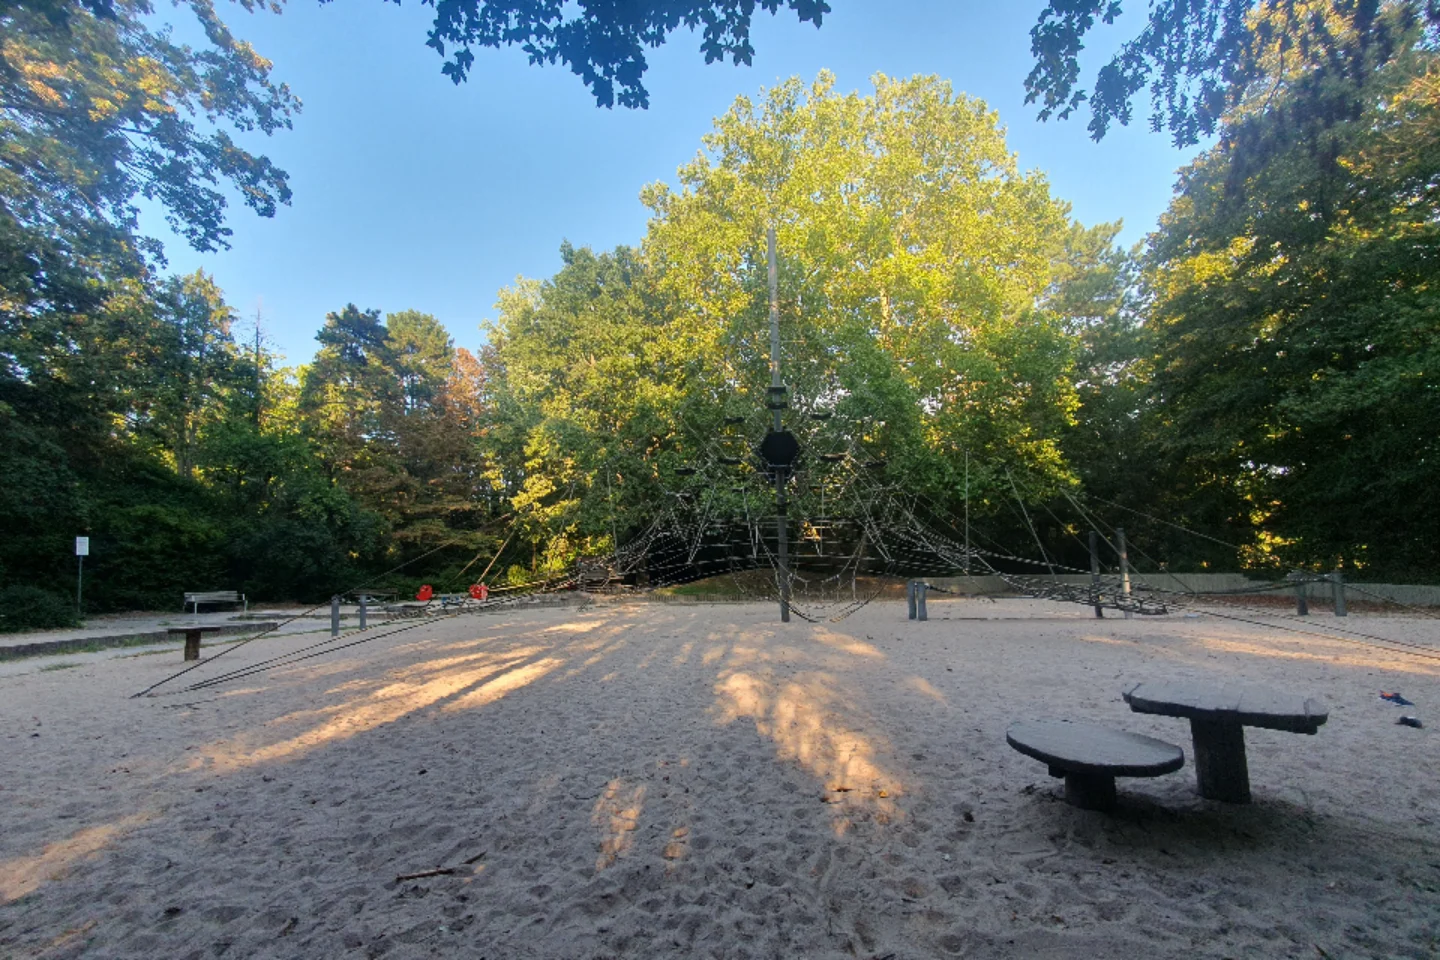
(138,624)
(152,629)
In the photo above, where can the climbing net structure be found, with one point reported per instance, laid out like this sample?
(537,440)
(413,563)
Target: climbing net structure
(825,530)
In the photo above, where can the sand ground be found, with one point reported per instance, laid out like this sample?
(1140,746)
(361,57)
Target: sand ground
(636,780)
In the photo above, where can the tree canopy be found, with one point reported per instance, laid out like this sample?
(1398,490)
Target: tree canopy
(1194,56)
(918,270)
(1197,57)
(601,41)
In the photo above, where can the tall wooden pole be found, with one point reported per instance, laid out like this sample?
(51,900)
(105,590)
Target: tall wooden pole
(782,533)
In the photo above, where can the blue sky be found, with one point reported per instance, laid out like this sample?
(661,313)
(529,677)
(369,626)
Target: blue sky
(413,193)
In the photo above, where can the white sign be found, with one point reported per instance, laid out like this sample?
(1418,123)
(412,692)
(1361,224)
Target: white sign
(82,546)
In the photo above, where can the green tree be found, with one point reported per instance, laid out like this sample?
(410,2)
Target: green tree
(396,420)
(348,386)
(915,259)
(423,354)
(926,292)
(194,374)
(292,531)
(97,109)
(1295,331)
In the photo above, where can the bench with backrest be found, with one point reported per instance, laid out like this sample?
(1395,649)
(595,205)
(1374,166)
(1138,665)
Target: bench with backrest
(193,598)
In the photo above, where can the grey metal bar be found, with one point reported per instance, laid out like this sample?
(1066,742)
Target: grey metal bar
(1095,572)
(1124,566)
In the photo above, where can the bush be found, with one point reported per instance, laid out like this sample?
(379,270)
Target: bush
(24,607)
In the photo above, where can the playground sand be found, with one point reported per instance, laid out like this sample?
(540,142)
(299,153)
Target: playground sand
(646,779)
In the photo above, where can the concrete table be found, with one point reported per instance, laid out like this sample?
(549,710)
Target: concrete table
(192,639)
(1218,717)
(1091,757)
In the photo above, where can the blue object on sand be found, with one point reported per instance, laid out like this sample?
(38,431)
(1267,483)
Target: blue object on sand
(1396,699)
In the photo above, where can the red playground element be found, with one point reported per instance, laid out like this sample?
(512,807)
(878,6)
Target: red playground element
(426,592)
(479,591)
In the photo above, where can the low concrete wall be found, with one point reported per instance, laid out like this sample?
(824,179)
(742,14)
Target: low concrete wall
(88,644)
(1417,595)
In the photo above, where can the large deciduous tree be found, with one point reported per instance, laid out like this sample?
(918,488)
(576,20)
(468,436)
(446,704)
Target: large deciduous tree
(97,109)
(590,387)
(926,299)
(1296,328)
(915,256)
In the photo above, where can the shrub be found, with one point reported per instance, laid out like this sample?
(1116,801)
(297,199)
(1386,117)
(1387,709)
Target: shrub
(24,607)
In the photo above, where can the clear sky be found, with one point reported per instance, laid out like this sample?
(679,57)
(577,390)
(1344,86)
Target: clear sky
(413,193)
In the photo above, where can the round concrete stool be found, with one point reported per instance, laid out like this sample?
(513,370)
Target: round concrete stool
(1091,757)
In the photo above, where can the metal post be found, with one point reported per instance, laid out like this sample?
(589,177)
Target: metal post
(1337,579)
(363,598)
(782,534)
(859,559)
(910,599)
(921,589)
(610,497)
(774,277)
(335,616)
(1302,603)
(79,587)
(1124,567)
(1095,573)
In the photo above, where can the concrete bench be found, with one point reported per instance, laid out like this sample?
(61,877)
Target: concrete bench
(1218,716)
(1091,757)
(196,597)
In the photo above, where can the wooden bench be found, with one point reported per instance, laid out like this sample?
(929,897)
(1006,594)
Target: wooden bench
(197,597)
(1218,717)
(1091,757)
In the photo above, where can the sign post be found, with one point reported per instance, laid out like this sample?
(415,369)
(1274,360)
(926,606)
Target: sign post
(82,550)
